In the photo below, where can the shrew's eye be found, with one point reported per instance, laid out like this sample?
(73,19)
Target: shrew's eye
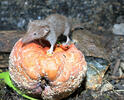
(35,33)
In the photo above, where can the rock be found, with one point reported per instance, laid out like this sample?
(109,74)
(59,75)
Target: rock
(118,29)
(90,44)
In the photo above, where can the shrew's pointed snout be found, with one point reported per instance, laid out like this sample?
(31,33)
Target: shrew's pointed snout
(26,39)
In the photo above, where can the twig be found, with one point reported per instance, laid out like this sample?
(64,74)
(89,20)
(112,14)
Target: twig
(117,77)
(116,66)
(119,90)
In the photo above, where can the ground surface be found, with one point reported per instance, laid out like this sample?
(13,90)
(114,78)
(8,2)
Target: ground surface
(114,91)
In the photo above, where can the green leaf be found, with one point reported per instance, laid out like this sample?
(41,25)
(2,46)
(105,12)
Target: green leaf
(5,76)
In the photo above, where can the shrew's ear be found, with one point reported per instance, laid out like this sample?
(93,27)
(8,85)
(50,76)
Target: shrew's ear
(46,29)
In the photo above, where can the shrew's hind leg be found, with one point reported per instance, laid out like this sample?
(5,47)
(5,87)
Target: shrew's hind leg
(66,33)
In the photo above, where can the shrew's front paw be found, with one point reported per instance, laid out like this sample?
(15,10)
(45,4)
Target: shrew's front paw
(49,52)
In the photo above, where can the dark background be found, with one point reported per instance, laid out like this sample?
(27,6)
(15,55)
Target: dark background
(15,14)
